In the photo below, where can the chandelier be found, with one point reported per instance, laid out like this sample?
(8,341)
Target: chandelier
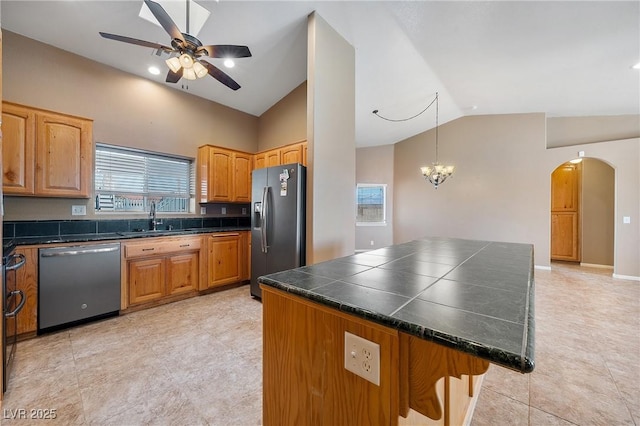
(436,173)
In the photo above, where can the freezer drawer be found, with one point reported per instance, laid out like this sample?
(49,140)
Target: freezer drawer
(77,284)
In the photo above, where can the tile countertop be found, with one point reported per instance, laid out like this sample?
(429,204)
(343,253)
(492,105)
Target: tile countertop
(472,296)
(81,238)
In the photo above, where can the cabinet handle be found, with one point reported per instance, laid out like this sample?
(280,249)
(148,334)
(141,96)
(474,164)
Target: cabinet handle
(149,249)
(185,245)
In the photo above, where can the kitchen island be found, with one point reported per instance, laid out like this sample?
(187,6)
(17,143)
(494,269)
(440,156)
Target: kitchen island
(440,310)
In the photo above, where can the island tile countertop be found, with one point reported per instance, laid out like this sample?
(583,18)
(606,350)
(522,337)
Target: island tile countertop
(473,296)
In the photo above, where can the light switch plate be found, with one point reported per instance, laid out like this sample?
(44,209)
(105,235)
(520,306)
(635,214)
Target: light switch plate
(78,210)
(626,219)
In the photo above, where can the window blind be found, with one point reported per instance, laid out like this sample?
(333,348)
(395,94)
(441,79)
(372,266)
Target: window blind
(128,180)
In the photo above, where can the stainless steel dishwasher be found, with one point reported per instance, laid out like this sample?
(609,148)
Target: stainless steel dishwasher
(77,284)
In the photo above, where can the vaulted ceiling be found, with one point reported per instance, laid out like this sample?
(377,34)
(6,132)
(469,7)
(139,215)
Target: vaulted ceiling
(563,58)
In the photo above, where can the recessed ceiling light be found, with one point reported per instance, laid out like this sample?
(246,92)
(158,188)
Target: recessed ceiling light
(229,63)
(154,70)
(636,66)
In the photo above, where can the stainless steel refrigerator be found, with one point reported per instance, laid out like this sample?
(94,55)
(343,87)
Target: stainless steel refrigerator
(278,221)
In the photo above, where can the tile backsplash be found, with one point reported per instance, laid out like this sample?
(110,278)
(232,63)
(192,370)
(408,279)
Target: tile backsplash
(37,228)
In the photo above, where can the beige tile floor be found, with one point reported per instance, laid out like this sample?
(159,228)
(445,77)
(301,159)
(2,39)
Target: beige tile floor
(199,362)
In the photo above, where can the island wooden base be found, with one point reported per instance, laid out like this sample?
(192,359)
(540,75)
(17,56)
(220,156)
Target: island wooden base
(305,382)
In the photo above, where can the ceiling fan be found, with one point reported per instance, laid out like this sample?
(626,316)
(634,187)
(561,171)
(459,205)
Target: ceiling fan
(186,50)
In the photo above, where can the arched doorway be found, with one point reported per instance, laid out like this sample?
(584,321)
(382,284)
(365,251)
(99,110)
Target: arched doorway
(582,213)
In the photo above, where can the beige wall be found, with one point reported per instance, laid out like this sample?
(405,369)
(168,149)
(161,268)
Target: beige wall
(331,138)
(598,202)
(285,122)
(375,165)
(127,110)
(567,131)
(501,188)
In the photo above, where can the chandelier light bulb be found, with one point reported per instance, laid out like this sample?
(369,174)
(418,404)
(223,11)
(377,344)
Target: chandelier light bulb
(200,69)
(174,64)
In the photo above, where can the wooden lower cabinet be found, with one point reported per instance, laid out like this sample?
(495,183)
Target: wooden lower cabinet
(26,279)
(225,254)
(564,236)
(159,268)
(146,280)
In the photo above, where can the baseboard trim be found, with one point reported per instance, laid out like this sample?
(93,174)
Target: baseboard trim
(544,268)
(596,265)
(626,277)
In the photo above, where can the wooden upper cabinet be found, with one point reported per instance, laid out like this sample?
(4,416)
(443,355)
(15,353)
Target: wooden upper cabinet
(64,154)
(242,177)
(18,160)
(223,175)
(260,161)
(273,158)
(291,154)
(45,153)
(565,188)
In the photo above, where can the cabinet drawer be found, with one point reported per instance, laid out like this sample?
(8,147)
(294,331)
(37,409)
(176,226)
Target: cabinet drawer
(153,247)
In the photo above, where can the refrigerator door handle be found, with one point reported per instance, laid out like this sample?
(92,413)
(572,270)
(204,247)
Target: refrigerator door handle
(264,221)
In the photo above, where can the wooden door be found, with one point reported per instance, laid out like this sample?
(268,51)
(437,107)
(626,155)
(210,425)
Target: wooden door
(565,212)
(182,273)
(18,146)
(291,154)
(242,177)
(64,156)
(220,175)
(224,259)
(146,280)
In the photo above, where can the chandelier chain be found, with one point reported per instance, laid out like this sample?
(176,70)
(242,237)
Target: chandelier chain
(375,111)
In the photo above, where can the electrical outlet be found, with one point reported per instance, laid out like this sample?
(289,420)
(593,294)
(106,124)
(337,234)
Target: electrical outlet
(78,210)
(203,210)
(224,210)
(244,210)
(362,357)
(371,242)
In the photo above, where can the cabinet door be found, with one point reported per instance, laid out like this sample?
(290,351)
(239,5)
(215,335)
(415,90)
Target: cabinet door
(273,158)
(260,161)
(146,280)
(26,279)
(291,154)
(64,156)
(564,236)
(242,177)
(182,273)
(246,256)
(18,136)
(220,175)
(224,259)
(565,186)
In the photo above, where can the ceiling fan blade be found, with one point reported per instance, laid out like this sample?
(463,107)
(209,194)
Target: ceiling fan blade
(225,51)
(164,19)
(136,41)
(219,75)
(173,77)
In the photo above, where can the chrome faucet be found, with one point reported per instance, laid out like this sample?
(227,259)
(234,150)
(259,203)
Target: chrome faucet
(152,216)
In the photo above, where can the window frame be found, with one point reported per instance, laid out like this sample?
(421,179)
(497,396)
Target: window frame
(146,196)
(384,204)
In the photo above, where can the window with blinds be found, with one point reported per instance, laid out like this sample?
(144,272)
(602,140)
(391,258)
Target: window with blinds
(128,180)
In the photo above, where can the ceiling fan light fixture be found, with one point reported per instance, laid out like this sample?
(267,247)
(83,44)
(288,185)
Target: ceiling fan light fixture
(229,63)
(200,69)
(186,61)
(189,73)
(174,64)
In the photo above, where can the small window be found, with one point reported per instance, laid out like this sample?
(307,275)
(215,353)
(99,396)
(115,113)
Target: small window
(371,204)
(128,180)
